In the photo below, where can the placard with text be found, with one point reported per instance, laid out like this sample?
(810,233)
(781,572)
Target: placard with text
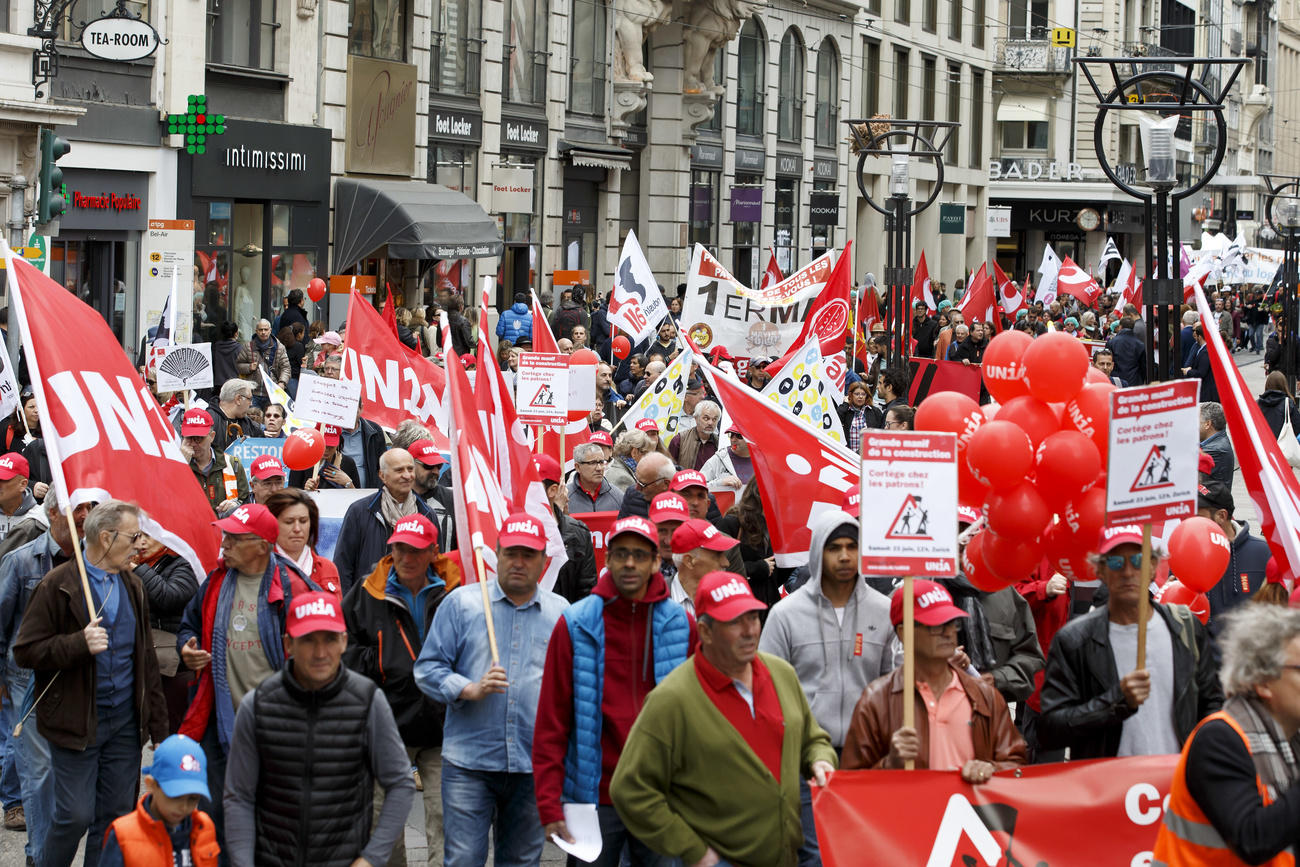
(909,497)
(1153,451)
(542,388)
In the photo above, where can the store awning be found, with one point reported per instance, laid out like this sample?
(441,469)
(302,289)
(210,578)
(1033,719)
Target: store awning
(415,220)
(1023,108)
(596,156)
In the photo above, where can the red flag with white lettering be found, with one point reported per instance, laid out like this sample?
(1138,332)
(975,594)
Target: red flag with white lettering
(104,433)
(828,315)
(396,384)
(1073,280)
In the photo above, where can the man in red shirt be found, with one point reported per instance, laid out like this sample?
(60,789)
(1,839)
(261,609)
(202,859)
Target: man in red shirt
(606,653)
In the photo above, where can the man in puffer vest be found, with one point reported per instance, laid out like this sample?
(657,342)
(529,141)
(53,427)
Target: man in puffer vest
(605,655)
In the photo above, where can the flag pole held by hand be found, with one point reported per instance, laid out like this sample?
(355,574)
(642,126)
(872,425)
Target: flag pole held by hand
(909,662)
(487,606)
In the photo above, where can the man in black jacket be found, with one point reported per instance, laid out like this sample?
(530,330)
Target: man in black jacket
(388,616)
(1095,700)
(577,576)
(367,524)
(1129,352)
(1215,442)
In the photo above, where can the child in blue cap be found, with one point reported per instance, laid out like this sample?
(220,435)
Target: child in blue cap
(166,827)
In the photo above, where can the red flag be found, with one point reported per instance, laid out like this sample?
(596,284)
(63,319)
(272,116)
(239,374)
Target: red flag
(1133,292)
(980,301)
(390,312)
(828,315)
(1010,298)
(396,384)
(868,315)
(543,339)
(920,287)
(1265,470)
(773,274)
(1073,280)
(104,433)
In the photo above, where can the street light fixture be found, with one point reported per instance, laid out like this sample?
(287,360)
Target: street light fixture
(1163,91)
(901,141)
(1282,214)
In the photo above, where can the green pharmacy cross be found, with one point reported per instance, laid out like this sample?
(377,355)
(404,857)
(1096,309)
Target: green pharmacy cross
(196,124)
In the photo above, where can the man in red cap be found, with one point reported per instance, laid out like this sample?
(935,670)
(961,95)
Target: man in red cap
(698,549)
(15,498)
(428,467)
(604,440)
(578,575)
(1095,700)
(220,475)
(268,475)
(487,738)
(388,616)
(306,755)
(703,790)
(962,723)
(230,633)
(605,655)
(667,512)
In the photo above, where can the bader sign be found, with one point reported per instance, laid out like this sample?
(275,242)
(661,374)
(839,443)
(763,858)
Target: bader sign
(120,39)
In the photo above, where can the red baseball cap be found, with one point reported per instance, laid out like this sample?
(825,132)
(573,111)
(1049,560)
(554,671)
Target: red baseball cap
(648,425)
(1204,462)
(932,604)
(688,478)
(967,514)
(697,533)
(416,531)
(266,467)
(330,433)
(317,611)
(637,526)
(522,530)
(669,506)
(724,596)
(196,423)
(13,465)
(1112,537)
(426,453)
(548,468)
(601,438)
(253,518)
(853,501)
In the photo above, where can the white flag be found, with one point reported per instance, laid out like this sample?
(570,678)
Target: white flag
(636,307)
(803,389)
(1048,268)
(1122,279)
(1111,252)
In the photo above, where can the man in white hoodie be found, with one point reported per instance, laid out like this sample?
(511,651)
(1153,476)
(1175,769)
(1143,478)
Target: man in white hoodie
(835,631)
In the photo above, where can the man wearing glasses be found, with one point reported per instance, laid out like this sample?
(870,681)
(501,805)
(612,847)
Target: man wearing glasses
(654,473)
(1095,699)
(589,491)
(109,701)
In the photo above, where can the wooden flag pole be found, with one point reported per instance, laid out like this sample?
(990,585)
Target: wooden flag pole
(909,661)
(1144,603)
(487,606)
(81,564)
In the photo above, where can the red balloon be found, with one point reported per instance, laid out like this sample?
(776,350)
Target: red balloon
(990,410)
(1012,560)
(1178,593)
(1055,367)
(1088,412)
(1019,513)
(999,455)
(1034,417)
(1199,551)
(1085,516)
(1095,375)
(1004,374)
(1080,567)
(970,492)
(974,567)
(1066,465)
(315,289)
(303,448)
(583,356)
(952,412)
(622,346)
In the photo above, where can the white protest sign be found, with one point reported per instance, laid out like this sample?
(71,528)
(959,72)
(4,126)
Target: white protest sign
(332,401)
(910,481)
(542,388)
(185,367)
(582,387)
(803,388)
(636,305)
(1151,472)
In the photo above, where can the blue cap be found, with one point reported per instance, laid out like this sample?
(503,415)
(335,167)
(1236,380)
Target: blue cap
(180,767)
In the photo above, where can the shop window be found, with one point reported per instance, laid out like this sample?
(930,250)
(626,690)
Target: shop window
(455,168)
(827,121)
(588,63)
(751,62)
(977,119)
(104,274)
(525,53)
(900,82)
(86,11)
(242,33)
(1023,135)
(705,186)
(457,47)
(786,201)
(790,88)
(823,237)
(745,238)
(377,29)
(870,78)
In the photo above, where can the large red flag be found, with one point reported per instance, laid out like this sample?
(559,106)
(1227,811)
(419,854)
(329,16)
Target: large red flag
(1073,280)
(104,433)
(980,301)
(773,274)
(868,315)
(396,383)
(543,338)
(921,287)
(1268,477)
(828,315)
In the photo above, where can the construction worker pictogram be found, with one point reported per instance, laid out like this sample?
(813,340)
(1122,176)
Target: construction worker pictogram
(1154,472)
(544,399)
(911,522)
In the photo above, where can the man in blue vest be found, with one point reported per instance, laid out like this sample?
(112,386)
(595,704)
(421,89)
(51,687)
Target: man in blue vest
(605,655)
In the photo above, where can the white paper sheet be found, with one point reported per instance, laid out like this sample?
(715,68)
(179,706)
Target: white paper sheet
(584,828)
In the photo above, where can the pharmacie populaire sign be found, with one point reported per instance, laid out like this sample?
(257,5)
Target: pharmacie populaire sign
(119,38)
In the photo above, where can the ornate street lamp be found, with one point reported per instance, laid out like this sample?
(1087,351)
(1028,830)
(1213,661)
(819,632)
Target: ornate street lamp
(1282,215)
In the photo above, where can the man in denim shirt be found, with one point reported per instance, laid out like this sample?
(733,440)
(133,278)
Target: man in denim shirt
(487,740)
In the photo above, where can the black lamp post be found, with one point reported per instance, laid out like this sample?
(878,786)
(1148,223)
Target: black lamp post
(1169,89)
(900,141)
(1282,215)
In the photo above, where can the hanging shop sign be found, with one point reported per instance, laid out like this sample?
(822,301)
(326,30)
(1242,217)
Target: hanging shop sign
(952,219)
(512,190)
(746,204)
(382,99)
(823,208)
(997,222)
(119,38)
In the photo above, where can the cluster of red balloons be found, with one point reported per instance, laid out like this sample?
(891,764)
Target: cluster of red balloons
(1199,551)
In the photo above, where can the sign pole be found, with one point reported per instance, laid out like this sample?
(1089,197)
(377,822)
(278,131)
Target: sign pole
(487,606)
(1144,604)
(909,661)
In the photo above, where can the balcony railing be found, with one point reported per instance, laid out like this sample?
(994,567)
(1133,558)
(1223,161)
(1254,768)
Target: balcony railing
(1033,55)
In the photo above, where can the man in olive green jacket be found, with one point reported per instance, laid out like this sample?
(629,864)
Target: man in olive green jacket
(720,740)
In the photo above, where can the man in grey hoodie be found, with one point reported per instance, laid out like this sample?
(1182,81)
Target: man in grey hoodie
(835,631)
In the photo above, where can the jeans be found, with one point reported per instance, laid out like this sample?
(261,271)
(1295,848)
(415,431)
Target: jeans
(216,757)
(32,752)
(92,787)
(473,802)
(1258,338)
(11,793)
(810,854)
(614,836)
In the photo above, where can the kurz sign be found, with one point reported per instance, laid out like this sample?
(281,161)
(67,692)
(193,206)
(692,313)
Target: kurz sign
(118,38)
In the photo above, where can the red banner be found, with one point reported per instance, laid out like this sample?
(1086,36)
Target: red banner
(930,376)
(599,523)
(1105,811)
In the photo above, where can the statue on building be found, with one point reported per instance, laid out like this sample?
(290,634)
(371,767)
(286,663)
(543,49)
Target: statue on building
(709,25)
(634,21)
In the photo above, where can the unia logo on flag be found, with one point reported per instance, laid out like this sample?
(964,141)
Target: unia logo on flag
(317,607)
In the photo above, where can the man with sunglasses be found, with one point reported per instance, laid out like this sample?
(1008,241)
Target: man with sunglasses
(1095,700)
(653,474)
(590,491)
(605,655)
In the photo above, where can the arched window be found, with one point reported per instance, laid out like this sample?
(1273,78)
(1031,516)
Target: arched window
(751,62)
(828,94)
(588,60)
(790,88)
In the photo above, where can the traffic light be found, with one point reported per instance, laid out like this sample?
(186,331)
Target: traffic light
(49,193)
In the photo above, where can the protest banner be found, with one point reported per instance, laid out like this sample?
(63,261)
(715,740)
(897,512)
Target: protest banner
(662,399)
(931,377)
(184,367)
(636,306)
(599,523)
(1104,811)
(910,480)
(327,400)
(802,388)
(1151,473)
(542,388)
(332,503)
(248,449)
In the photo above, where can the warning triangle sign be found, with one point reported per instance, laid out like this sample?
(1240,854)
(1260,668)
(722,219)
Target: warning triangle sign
(911,522)
(1154,472)
(544,399)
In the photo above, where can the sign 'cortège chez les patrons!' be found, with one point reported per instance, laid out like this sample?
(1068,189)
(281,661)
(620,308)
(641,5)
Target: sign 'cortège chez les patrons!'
(105,201)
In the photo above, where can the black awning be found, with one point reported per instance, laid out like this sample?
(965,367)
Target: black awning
(415,220)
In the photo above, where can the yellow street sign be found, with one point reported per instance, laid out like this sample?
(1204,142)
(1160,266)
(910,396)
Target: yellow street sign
(1063,37)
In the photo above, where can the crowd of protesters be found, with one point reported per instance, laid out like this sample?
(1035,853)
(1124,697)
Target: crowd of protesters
(691,690)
